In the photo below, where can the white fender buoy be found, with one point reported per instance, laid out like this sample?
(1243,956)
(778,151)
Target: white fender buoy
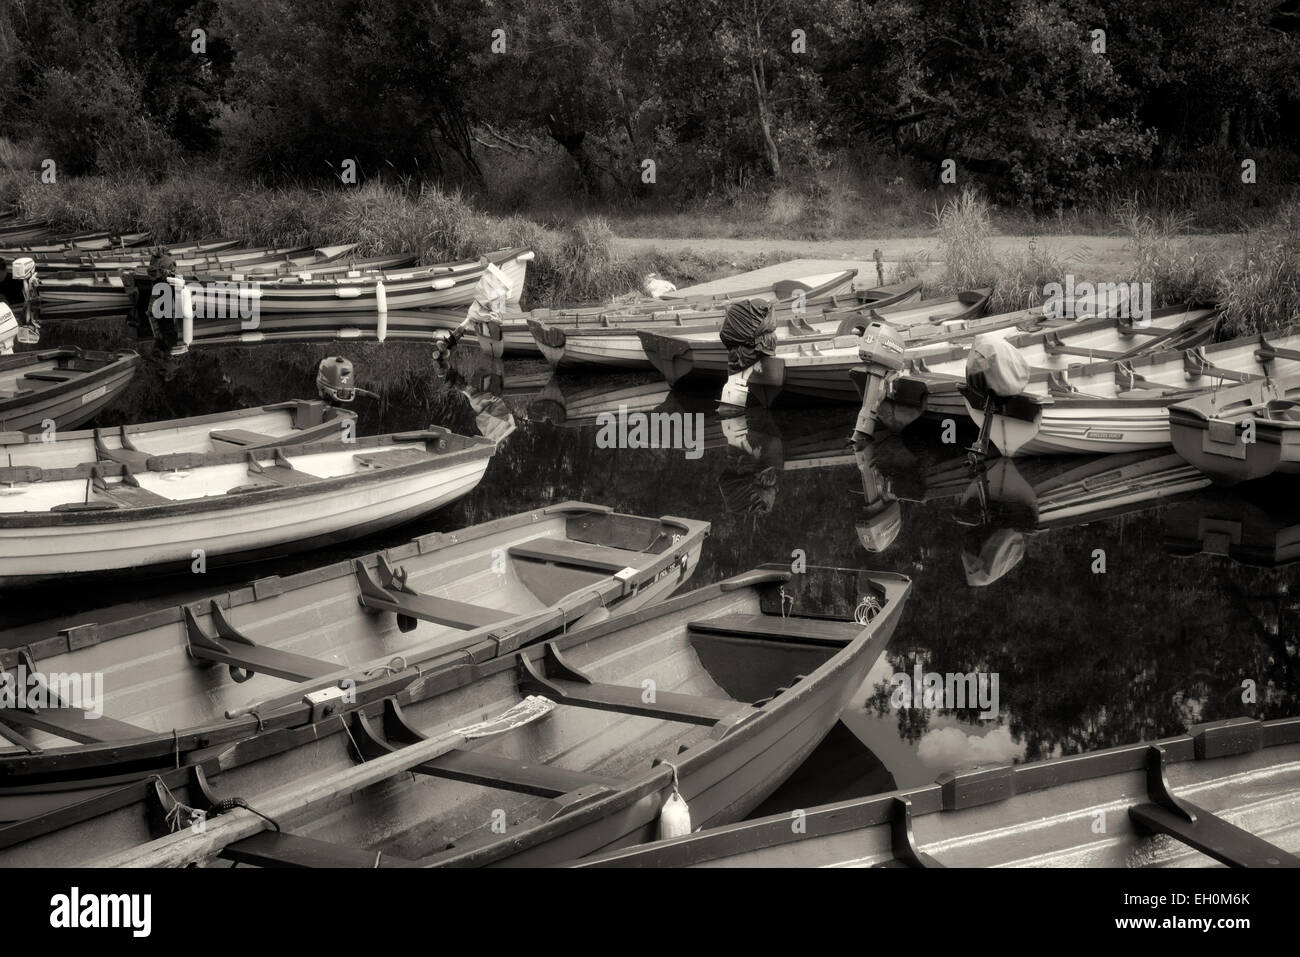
(675,815)
(444,283)
(381,304)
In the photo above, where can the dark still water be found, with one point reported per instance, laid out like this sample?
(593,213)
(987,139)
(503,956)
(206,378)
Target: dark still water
(1110,612)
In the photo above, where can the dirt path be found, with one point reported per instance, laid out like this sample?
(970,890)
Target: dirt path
(1098,253)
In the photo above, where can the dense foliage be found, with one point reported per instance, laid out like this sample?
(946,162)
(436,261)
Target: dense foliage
(1047,101)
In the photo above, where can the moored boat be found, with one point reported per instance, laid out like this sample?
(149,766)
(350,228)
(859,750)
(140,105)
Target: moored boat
(930,382)
(65,387)
(242,504)
(1123,405)
(1242,432)
(444,286)
(610,339)
(171,675)
(90,292)
(63,246)
(295,422)
(1039,814)
(511,334)
(696,355)
(711,698)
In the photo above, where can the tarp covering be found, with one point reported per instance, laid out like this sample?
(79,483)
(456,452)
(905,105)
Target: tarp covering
(996,366)
(748,332)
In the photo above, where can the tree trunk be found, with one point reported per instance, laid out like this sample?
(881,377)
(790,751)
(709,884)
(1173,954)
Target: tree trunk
(764,115)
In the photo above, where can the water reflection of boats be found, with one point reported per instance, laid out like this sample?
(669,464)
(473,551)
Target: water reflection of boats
(1256,524)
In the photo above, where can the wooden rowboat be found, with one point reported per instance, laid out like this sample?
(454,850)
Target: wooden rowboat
(715,694)
(183,684)
(17,231)
(698,355)
(930,382)
(118,259)
(295,422)
(75,245)
(63,386)
(511,334)
(1227,791)
(1243,432)
(612,340)
(111,517)
(90,292)
(1123,405)
(444,286)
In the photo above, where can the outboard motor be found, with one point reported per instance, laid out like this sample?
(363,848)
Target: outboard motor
(995,371)
(881,350)
(749,333)
(334,381)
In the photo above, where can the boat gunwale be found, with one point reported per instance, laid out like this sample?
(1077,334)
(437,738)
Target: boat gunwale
(878,810)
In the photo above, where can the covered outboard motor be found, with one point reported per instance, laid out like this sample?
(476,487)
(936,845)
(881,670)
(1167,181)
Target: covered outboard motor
(334,381)
(881,350)
(995,370)
(749,333)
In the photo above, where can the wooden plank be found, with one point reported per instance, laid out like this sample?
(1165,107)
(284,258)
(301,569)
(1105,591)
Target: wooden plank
(285,804)
(242,437)
(441,611)
(1212,836)
(808,630)
(565,552)
(75,724)
(509,774)
(277,849)
(666,705)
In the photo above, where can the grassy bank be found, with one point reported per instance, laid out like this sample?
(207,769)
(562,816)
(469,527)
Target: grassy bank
(1258,284)
(575,261)
(1257,289)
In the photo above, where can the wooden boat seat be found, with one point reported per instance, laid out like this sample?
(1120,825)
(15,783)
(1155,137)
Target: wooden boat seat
(129,457)
(279,849)
(803,630)
(132,496)
(232,648)
(62,719)
(564,684)
(390,458)
(1054,346)
(562,551)
(54,375)
(392,596)
(243,438)
(509,774)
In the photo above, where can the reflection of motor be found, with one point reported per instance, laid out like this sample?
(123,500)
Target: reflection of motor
(881,350)
(884,518)
(334,381)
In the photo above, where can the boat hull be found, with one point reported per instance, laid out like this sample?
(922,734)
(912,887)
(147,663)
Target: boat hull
(1233,444)
(68,404)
